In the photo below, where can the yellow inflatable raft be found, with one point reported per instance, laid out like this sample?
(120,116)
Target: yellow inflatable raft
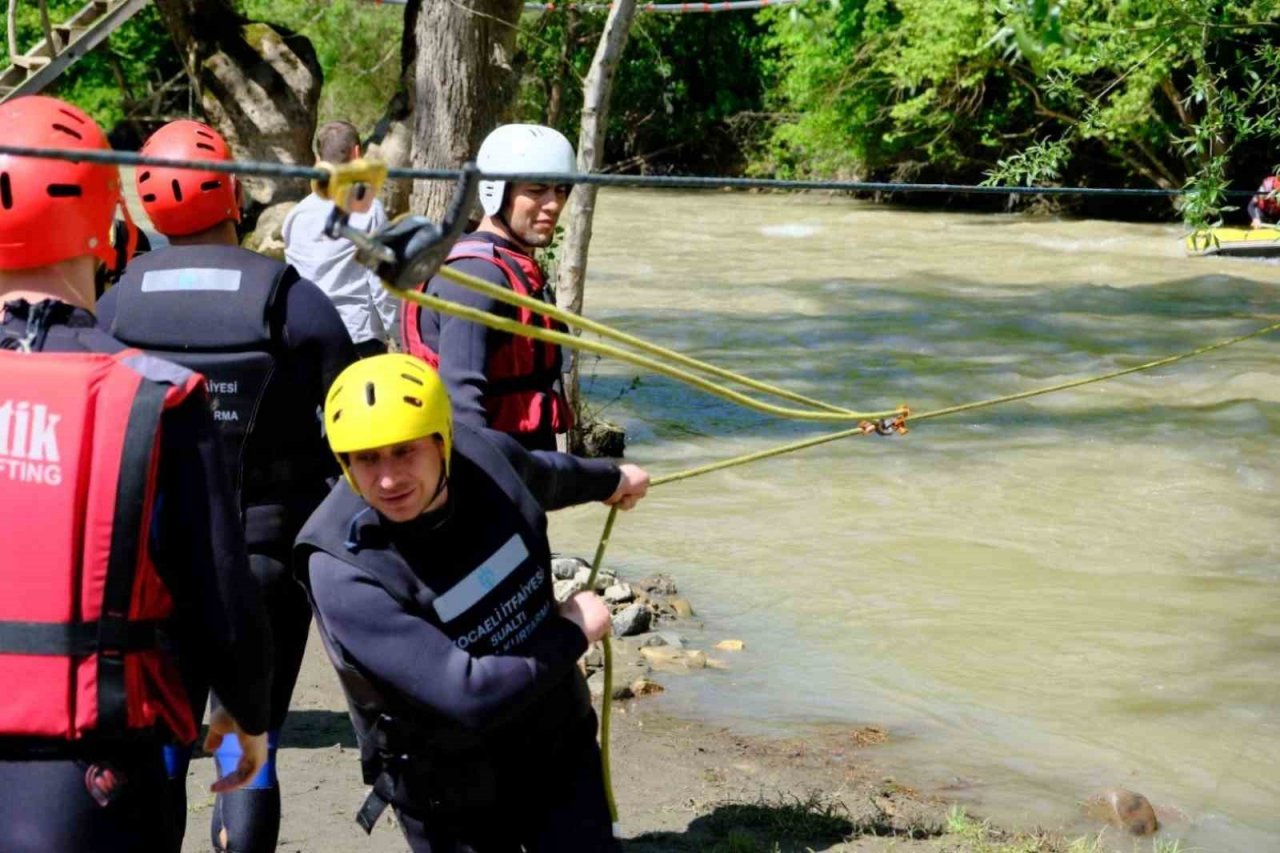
(1235,242)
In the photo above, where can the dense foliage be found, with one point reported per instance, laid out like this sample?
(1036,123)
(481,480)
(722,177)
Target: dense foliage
(132,78)
(1155,93)
(357,43)
(1144,93)
(688,94)
(135,80)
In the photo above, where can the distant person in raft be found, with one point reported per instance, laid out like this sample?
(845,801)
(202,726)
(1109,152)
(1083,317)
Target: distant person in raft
(1264,208)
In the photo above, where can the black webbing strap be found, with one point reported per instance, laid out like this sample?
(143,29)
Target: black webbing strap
(376,803)
(71,639)
(126,540)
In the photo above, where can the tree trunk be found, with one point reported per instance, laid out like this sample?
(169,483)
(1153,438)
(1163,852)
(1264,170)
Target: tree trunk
(595,114)
(392,143)
(259,86)
(392,138)
(461,85)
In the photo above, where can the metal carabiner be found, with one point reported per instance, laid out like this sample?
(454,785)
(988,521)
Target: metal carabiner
(348,183)
(409,250)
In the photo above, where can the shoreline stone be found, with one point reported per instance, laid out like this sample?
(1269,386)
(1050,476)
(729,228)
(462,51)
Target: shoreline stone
(1124,809)
(643,613)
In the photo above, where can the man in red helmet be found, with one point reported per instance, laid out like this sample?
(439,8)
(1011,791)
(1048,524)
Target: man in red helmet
(269,343)
(124,576)
(1264,208)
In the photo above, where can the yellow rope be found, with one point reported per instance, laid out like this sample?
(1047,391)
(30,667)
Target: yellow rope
(510,297)
(830,414)
(606,716)
(952,410)
(1076,383)
(606,702)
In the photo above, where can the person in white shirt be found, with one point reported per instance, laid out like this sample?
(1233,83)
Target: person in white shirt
(369,312)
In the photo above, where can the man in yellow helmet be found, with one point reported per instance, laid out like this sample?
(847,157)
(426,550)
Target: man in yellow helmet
(429,571)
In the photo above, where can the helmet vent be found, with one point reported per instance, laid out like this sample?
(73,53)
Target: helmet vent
(149,197)
(204,146)
(412,379)
(413,401)
(71,115)
(177,189)
(143,177)
(64,190)
(62,128)
(337,415)
(369,396)
(211,185)
(6,191)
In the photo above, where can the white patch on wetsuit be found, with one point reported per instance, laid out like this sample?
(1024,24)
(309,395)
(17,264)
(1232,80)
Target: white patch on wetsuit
(470,590)
(195,278)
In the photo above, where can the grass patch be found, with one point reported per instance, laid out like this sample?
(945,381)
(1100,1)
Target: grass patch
(1169,845)
(765,826)
(967,834)
(814,818)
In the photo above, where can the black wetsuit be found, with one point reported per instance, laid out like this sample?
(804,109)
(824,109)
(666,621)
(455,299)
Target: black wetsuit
(220,632)
(465,347)
(295,345)
(451,621)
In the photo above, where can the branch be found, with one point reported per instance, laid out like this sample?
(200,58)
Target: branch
(1041,109)
(1138,166)
(1166,86)
(1158,164)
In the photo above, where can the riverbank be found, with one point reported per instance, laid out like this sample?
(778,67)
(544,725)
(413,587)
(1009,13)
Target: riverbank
(681,785)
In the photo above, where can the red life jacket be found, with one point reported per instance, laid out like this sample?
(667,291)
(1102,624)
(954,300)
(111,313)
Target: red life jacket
(521,396)
(1268,200)
(81,604)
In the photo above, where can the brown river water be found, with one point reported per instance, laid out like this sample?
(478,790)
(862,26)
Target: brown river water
(1040,600)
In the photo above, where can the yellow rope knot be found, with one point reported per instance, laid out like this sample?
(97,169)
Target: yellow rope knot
(886,426)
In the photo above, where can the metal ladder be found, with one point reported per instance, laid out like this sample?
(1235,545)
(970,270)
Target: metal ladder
(29,72)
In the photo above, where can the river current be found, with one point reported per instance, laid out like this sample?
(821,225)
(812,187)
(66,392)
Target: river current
(1040,600)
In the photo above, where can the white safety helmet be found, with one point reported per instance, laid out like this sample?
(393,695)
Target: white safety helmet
(524,148)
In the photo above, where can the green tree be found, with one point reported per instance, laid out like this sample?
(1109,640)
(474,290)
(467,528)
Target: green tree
(1154,93)
(135,80)
(689,92)
(132,78)
(357,44)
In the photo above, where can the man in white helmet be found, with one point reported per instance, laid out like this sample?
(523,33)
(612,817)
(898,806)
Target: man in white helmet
(505,382)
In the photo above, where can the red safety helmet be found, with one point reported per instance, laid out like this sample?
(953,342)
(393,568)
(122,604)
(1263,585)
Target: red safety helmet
(52,210)
(186,201)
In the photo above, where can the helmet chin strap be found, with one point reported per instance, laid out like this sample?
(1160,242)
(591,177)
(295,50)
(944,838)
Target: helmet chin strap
(444,513)
(501,219)
(442,483)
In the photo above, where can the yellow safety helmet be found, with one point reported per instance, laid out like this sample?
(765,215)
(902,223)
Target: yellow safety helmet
(386,399)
